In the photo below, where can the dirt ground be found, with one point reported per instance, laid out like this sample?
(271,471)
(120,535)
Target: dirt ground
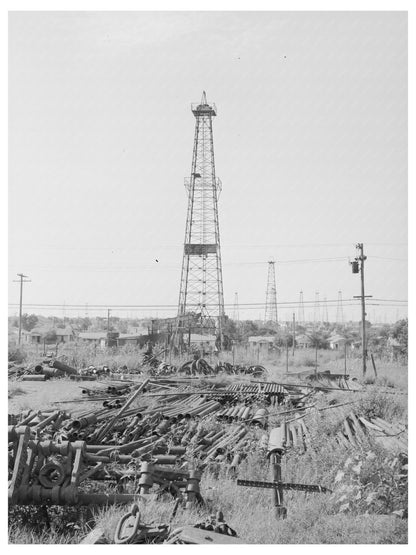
(50,394)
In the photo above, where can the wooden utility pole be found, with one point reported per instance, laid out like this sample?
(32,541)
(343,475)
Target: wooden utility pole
(363,312)
(358,265)
(287,356)
(294,335)
(108,319)
(21,281)
(345,359)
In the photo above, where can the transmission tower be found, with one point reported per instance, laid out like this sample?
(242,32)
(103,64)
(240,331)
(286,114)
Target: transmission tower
(236,313)
(325,311)
(271,299)
(340,312)
(301,309)
(317,309)
(201,297)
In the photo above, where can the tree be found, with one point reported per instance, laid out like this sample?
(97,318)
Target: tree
(350,335)
(29,321)
(50,336)
(230,328)
(400,333)
(284,337)
(122,326)
(85,323)
(248,328)
(319,339)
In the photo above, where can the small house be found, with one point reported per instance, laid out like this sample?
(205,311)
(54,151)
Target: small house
(98,338)
(303,341)
(261,344)
(337,342)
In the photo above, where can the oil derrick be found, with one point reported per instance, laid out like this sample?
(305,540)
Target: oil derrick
(271,299)
(340,312)
(317,309)
(325,312)
(236,314)
(301,309)
(201,297)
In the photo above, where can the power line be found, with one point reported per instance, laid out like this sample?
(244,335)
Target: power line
(224,245)
(156,305)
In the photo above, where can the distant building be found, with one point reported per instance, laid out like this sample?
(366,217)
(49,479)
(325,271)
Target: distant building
(205,342)
(337,342)
(38,335)
(138,330)
(98,338)
(395,348)
(260,344)
(128,339)
(65,335)
(303,341)
(108,339)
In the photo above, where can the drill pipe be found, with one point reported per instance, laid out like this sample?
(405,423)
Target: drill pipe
(123,409)
(230,438)
(63,367)
(202,410)
(47,421)
(28,419)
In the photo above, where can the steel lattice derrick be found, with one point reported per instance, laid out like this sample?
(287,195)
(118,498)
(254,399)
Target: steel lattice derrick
(201,288)
(271,298)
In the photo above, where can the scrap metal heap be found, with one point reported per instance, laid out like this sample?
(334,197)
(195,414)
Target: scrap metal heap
(58,458)
(158,437)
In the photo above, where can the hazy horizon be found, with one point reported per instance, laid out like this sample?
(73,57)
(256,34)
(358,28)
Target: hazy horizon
(310,144)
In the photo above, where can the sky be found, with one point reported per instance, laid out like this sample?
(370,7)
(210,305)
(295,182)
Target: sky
(310,145)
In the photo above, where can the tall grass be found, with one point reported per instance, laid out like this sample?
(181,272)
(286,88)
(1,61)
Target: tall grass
(313,518)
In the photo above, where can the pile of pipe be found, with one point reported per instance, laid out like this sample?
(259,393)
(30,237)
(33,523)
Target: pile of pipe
(176,426)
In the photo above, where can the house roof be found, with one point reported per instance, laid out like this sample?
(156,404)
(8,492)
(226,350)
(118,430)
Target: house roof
(302,338)
(261,339)
(92,335)
(336,338)
(41,330)
(65,331)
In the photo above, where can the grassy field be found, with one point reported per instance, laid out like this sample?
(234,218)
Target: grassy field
(342,517)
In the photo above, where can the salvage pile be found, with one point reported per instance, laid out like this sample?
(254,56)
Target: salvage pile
(160,435)
(165,442)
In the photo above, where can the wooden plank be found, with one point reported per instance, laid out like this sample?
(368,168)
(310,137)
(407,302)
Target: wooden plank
(294,429)
(358,429)
(342,440)
(307,435)
(349,433)
(369,425)
(96,536)
(390,429)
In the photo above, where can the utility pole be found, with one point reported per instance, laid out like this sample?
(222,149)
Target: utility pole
(22,281)
(287,355)
(108,319)
(294,335)
(358,267)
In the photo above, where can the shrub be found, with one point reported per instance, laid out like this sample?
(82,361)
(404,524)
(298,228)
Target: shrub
(377,404)
(17,354)
(309,362)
